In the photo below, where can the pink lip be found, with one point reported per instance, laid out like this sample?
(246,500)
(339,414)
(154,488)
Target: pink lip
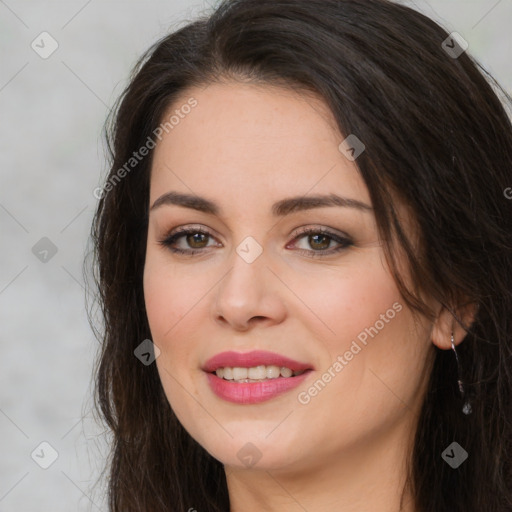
(250,359)
(253,392)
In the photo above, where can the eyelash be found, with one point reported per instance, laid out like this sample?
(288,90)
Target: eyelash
(344,241)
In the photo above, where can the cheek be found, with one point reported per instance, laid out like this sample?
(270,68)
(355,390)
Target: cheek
(157,297)
(363,320)
(172,299)
(170,293)
(345,302)
(176,298)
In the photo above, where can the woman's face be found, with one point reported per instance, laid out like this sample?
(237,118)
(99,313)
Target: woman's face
(257,282)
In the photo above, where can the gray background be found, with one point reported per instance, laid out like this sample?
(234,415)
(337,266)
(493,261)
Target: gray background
(51,160)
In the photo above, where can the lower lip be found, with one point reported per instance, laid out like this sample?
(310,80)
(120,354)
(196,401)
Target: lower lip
(253,392)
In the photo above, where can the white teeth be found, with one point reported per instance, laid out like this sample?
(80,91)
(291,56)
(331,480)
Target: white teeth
(258,372)
(255,373)
(286,372)
(273,372)
(239,373)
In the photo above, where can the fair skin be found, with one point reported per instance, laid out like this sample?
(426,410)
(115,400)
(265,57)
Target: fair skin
(245,147)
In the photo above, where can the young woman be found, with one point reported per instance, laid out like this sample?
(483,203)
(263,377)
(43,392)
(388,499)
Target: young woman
(304,262)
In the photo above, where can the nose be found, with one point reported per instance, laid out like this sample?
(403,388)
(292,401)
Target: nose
(250,293)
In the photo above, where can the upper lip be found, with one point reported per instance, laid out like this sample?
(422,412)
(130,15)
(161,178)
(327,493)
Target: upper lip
(251,359)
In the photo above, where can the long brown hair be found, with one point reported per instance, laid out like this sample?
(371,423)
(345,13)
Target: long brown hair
(437,137)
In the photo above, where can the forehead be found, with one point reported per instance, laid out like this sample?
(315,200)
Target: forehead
(254,139)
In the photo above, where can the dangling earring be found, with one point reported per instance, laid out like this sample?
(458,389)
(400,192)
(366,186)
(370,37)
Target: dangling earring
(466,409)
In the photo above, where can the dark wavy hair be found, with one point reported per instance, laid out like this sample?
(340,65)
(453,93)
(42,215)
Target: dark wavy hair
(438,139)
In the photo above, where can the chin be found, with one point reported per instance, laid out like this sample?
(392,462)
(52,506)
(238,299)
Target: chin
(254,452)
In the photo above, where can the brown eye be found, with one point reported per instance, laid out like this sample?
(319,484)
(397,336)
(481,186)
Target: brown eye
(319,240)
(195,241)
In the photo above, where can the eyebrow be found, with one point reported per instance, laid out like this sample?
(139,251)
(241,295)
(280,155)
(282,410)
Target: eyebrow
(279,209)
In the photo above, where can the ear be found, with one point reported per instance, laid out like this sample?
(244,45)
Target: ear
(446,324)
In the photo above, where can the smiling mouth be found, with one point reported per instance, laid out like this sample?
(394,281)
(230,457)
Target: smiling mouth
(259,373)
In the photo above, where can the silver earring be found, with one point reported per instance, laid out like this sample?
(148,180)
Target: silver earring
(466,409)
